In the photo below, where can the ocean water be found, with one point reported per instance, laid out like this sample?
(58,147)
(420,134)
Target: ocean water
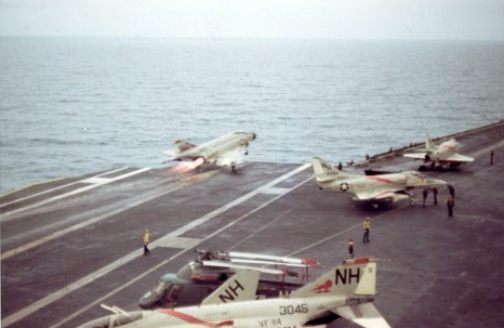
(74,106)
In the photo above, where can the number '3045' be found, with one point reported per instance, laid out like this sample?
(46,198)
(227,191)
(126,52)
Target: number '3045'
(291,309)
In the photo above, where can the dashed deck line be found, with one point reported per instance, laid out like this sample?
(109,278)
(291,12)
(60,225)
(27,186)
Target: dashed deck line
(339,233)
(57,188)
(9,215)
(488,149)
(51,298)
(75,227)
(275,191)
(161,264)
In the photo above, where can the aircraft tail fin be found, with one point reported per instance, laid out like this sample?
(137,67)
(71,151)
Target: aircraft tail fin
(320,167)
(429,144)
(326,172)
(353,277)
(181,146)
(242,286)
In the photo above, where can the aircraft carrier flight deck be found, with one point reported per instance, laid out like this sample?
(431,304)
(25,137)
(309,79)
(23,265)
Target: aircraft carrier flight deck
(68,246)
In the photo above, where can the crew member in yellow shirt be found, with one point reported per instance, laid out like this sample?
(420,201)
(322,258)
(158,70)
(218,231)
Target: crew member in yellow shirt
(146,240)
(366,224)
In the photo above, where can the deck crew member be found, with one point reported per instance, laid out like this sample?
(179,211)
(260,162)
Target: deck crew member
(425,193)
(451,189)
(366,224)
(491,157)
(146,241)
(350,248)
(450,203)
(435,191)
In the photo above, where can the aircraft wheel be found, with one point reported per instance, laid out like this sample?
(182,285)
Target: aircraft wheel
(223,277)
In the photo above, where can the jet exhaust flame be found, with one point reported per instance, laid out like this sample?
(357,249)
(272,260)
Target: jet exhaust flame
(185,167)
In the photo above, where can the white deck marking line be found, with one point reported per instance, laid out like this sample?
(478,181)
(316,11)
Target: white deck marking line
(177,242)
(321,241)
(113,171)
(274,191)
(71,193)
(60,233)
(488,149)
(263,227)
(159,265)
(51,298)
(96,180)
(57,188)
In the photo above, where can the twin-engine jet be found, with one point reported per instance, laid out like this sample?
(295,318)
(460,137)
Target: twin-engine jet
(225,151)
(374,188)
(346,291)
(441,155)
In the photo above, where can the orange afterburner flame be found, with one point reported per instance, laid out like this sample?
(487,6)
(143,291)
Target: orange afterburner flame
(185,167)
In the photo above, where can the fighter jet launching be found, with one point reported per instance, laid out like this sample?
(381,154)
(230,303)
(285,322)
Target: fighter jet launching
(441,155)
(225,151)
(346,291)
(372,188)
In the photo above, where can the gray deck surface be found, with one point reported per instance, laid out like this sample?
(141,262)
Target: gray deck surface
(70,245)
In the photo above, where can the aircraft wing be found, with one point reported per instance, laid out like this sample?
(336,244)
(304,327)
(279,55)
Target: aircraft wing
(378,194)
(172,155)
(415,155)
(232,157)
(363,314)
(459,158)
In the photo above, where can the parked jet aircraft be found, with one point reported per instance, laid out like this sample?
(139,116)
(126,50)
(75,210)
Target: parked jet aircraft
(199,278)
(348,292)
(441,155)
(374,188)
(225,151)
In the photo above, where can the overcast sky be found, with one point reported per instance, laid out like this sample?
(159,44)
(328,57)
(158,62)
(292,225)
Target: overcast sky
(352,19)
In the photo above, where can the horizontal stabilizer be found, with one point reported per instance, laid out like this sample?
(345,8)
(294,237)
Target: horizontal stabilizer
(364,314)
